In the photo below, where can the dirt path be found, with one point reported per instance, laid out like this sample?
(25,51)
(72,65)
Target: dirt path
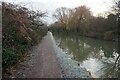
(43,62)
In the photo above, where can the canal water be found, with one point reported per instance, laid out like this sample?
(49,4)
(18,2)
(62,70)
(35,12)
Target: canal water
(96,56)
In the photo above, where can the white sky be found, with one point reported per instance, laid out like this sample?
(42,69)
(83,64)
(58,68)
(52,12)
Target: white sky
(96,6)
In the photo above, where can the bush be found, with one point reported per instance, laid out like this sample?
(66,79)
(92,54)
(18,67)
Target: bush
(9,57)
(21,30)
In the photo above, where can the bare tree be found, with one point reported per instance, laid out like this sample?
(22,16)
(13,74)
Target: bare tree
(62,15)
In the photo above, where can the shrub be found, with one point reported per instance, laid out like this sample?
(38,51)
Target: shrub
(21,29)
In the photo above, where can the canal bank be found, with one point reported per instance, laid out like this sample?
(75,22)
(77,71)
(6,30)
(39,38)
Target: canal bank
(46,60)
(97,56)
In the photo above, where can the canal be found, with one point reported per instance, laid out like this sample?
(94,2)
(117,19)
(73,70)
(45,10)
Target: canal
(96,56)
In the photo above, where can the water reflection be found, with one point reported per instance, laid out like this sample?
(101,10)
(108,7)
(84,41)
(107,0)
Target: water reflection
(95,55)
(93,65)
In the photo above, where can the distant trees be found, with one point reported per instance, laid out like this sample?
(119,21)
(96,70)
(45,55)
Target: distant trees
(80,20)
(63,15)
(71,19)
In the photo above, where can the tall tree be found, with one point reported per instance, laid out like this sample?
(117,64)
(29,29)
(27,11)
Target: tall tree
(62,15)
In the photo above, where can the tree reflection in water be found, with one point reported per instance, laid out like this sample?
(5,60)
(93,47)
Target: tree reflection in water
(95,55)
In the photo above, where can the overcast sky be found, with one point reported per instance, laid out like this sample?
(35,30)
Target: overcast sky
(96,6)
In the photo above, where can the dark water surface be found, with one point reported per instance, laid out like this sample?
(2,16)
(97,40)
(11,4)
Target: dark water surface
(97,56)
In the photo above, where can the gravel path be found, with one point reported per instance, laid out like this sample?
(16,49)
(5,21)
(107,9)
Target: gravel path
(46,60)
(42,62)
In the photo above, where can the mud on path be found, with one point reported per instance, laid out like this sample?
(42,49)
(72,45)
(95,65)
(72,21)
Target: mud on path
(41,63)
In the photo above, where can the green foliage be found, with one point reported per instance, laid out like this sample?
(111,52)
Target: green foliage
(9,57)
